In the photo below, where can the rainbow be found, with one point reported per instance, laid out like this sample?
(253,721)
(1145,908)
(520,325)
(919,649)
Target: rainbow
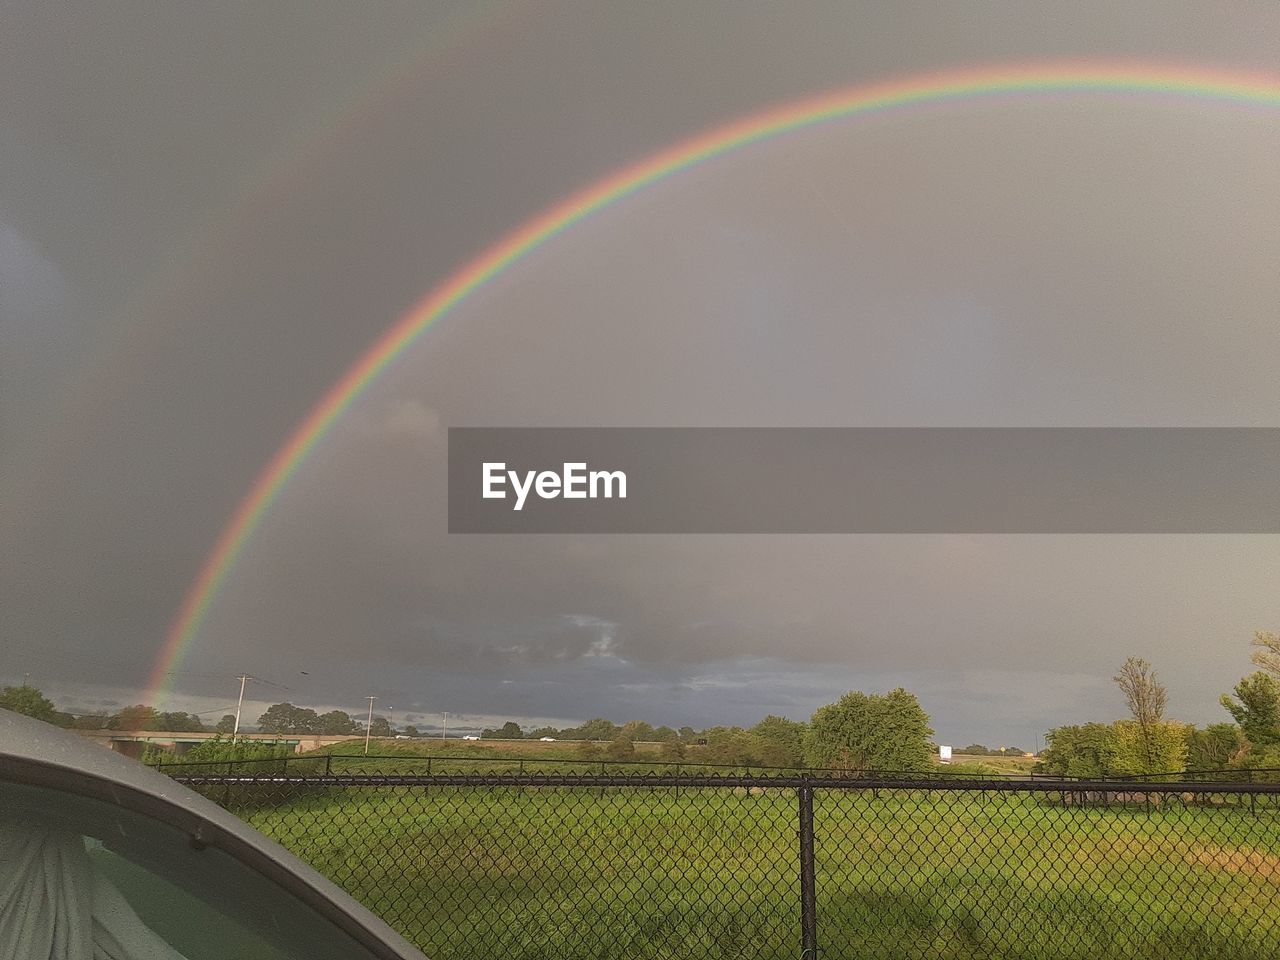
(1197,84)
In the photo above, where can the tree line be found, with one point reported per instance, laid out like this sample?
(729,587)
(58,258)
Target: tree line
(31,702)
(859,732)
(1148,743)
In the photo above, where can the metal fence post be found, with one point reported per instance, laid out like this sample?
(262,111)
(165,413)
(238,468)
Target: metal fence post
(808,893)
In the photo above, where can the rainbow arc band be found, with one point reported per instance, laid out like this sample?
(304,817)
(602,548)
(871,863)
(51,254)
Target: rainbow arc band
(1134,79)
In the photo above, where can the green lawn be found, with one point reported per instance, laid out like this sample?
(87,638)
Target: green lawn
(642,872)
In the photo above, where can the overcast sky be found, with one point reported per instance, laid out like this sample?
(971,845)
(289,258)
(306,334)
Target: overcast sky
(208,212)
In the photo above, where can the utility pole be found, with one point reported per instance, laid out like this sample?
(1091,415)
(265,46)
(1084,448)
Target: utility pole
(369,727)
(239,704)
(444,734)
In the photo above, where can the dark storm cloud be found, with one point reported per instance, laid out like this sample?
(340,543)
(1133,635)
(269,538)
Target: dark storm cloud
(176,298)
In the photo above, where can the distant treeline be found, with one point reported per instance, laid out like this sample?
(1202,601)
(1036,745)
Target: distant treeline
(978,750)
(859,732)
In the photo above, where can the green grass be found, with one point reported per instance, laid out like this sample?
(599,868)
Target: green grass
(636,872)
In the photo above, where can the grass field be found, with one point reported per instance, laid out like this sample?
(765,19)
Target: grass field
(641,872)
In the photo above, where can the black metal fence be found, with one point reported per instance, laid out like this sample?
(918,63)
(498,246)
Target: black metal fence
(665,865)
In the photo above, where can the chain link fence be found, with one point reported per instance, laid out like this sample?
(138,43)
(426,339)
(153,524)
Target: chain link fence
(632,865)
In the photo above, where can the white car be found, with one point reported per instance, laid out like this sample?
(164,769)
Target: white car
(547,739)
(470,737)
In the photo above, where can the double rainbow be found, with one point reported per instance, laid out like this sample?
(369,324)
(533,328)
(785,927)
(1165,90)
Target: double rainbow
(1208,85)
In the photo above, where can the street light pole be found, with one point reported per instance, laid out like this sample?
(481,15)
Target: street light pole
(369,727)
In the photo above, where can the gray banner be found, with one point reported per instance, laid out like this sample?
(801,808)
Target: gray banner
(864,480)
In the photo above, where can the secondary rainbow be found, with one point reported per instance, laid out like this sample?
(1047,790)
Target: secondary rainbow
(1201,84)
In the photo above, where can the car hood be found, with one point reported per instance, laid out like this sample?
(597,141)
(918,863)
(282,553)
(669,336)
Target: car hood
(34,751)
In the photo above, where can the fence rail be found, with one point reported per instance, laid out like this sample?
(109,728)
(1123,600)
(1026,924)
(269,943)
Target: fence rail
(705,864)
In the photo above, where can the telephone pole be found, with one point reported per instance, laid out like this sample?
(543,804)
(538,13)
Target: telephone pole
(239,704)
(369,727)
(444,734)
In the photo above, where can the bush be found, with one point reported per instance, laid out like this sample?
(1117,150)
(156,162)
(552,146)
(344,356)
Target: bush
(222,749)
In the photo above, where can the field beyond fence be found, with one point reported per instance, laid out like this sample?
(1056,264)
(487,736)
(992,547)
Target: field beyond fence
(625,864)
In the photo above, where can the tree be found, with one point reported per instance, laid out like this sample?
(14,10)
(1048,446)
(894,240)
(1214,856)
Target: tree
(508,731)
(673,751)
(621,748)
(688,734)
(1086,751)
(1146,699)
(336,723)
(412,731)
(665,735)
(541,732)
(728,745)
(778,742)
(1215,747)
(1256,708)
(137,717)
(286,718)
(1267,656)
(178,721)
(91,721)
(637,731)
(1119,749)
(863,732)
(381,727)
(226,725)
(1160,748)
(596,729)
(1265,760)
(28,701)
